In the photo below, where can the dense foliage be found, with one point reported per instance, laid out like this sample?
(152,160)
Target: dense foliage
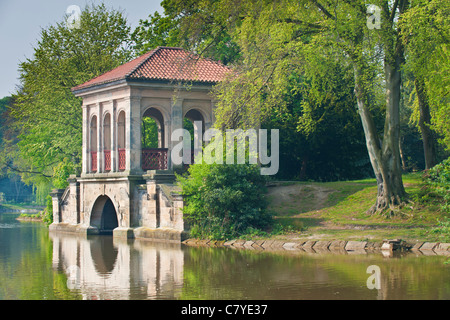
(277,40)
(437,184)
(224,201)
(45,120)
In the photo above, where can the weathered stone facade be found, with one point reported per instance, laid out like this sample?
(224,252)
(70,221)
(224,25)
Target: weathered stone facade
(124,187)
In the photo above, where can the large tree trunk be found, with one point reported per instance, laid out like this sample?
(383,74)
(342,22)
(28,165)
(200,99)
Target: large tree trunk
(393,192)
(384,155)
(428,138)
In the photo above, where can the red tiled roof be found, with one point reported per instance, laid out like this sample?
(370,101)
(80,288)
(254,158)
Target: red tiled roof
(163,63)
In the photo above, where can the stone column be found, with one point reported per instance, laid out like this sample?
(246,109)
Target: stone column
(56,195)
(133,135)
(100,156)
(113,148)
(85,137)
(166,134)
(176,122)
(213,108)
(74,200)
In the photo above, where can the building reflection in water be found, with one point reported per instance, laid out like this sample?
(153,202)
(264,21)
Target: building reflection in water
(103,267)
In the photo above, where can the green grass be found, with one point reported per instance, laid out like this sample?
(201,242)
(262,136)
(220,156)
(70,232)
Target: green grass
(338,210)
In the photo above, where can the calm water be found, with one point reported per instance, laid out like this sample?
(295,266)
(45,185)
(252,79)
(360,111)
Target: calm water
(37,265)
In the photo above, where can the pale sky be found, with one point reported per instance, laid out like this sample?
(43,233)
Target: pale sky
(22,20)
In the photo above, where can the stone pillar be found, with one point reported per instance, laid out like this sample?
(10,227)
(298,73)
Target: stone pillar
(178,204)
(213,108)
(56,195)
(74,200)
(100,156)
(85,141)
(152,212)
(175,123)
(113,148)
(133,135)
(166,135)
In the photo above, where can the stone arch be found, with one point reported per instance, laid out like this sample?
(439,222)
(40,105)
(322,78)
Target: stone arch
(104,215)
(195,114)
(157,115)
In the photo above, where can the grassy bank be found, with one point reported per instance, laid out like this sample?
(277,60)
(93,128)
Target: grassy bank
(338,210)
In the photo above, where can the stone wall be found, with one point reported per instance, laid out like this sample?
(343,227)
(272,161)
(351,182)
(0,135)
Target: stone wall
(147,206)
(328,246)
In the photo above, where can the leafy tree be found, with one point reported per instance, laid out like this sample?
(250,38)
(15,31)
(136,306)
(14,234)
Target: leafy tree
(46,118)
(425,29)
(277,38)
(156,31)
(168,30)
(320,134)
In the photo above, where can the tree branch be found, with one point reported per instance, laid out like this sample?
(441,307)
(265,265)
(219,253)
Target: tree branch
(26,171)
(301,23)
(325,11)
(394,8)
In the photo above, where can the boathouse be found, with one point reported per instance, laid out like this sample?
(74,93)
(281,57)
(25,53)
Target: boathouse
(126,186)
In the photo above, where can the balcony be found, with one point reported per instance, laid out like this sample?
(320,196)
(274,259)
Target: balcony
(154,159)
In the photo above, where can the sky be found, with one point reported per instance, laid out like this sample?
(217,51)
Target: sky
(22,20)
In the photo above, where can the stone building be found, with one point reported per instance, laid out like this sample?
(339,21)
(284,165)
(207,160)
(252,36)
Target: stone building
(126,184)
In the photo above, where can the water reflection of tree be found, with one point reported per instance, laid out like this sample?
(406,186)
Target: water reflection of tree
(28,273)
(213,273)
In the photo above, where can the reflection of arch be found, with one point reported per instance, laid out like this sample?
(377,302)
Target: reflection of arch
(103,254)
(93,143)
(107,141)
(121,140)
(103,215)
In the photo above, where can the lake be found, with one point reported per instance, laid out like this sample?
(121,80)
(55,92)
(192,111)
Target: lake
(36,265)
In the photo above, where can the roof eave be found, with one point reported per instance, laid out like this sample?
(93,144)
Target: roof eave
(95,87)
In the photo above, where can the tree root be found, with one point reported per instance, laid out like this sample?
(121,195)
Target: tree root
(389,208)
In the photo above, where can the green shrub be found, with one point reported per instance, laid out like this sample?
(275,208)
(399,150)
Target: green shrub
(62,172)
(442,230)
(47,215)
(437,185)
(224,201)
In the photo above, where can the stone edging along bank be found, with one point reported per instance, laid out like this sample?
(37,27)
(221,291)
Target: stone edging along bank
(323,246)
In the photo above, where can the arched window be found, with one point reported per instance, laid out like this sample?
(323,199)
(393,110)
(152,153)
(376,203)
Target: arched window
(107,141)
(121,140)
(93,144)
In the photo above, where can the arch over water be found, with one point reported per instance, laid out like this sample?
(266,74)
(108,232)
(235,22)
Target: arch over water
(104,215)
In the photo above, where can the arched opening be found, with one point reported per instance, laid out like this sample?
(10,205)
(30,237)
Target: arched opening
(107,141)
(121,140)
(93,144)
(154,155)
(104,216)
(191,123)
